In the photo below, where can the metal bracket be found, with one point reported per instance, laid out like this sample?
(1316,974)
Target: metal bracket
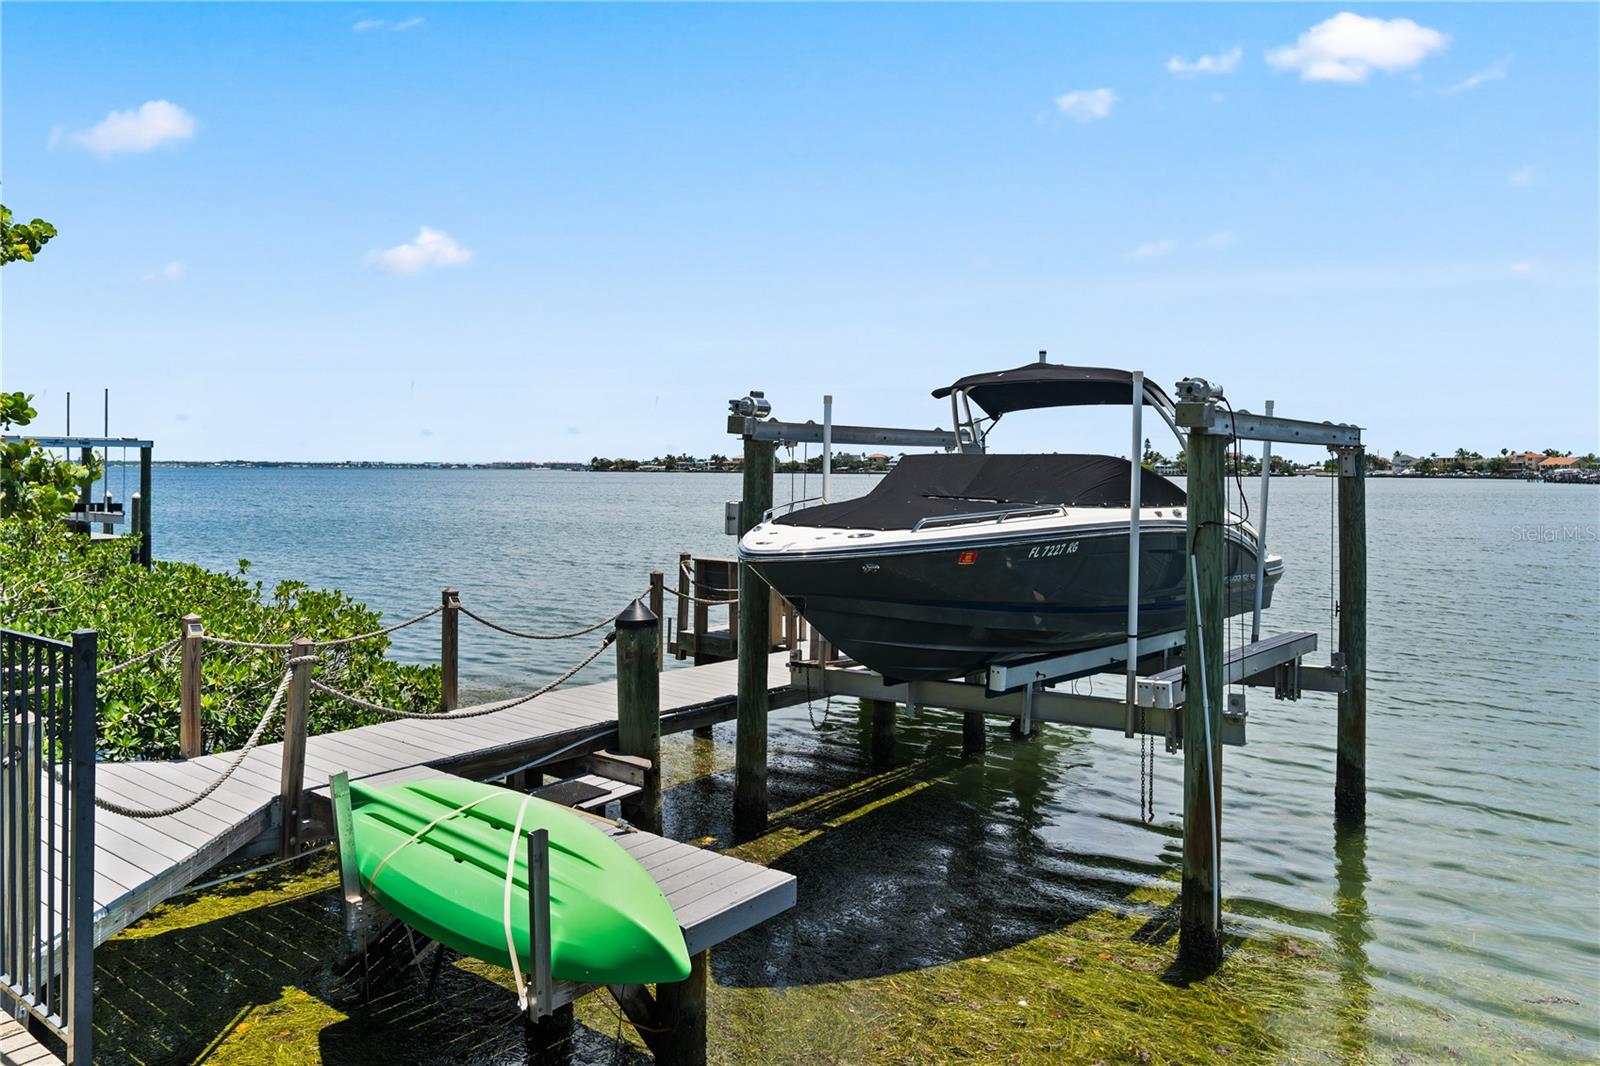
(1347,457)
(539,924)
(345,840)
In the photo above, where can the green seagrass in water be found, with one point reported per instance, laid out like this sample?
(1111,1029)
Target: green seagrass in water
(609,922)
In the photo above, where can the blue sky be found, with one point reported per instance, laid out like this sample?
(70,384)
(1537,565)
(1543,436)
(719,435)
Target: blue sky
(483,231)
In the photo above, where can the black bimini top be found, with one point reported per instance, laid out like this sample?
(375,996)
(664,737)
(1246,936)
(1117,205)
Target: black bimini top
(1036,385)
(927,486)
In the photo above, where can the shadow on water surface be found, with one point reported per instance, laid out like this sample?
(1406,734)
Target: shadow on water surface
(934,860)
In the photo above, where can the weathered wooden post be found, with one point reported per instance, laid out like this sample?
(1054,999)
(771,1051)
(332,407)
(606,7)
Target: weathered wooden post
(1350,780)
(883,720)
(1200,932)
(145,486)
(135,517)
(291,784)
(85,490)
(682,1006)
(191,740)
(750,768)
(639,707)
(973,741)
(658,595)
(684,560)
(450,648)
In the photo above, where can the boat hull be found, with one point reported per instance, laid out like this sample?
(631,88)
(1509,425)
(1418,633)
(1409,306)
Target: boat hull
(953,609)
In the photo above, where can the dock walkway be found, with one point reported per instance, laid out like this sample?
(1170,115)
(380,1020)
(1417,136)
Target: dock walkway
(139,863)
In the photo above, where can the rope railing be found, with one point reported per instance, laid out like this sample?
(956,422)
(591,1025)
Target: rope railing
(159,649)
(333,642)
(698,599)
(607,620)
(697,584)
(144,813)
(472,712)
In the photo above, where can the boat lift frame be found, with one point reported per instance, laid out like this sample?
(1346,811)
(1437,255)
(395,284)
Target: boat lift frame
(1166,702)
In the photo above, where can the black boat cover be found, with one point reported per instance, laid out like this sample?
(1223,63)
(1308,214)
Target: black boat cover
(1035,385)
(925,486)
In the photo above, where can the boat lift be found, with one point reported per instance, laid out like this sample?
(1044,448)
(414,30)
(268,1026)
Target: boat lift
(1193,712)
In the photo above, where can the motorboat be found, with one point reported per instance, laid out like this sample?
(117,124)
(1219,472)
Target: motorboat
(957,562)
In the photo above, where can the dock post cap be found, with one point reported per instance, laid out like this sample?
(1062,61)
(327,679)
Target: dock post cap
(636,616)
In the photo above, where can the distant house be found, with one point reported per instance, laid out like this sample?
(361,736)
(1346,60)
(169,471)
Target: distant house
(877,460)
(1401,462)
(1551,464)
(1524,461)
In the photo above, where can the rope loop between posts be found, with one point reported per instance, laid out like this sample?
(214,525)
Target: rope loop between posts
(160,649)
(239,757)
(683,567)
(333,642)
(474,712)
(536,636)
(340,641)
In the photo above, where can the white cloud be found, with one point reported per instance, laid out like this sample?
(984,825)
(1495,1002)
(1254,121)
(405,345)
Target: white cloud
(1221,63)
(1495,71)
(1219,241)
(1152,250)
(173,271)
(1522,177)
(368,25)
(1522,267)
(1086,105)
(152,123)
(1349,47)
(430,247)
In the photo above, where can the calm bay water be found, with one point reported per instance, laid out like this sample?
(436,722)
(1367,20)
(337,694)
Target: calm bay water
(1464,922)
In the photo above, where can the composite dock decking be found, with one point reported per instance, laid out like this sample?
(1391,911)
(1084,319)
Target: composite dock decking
(19,1048)
(141,862)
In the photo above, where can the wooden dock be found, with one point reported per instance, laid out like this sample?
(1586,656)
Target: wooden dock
(19,1048)
(139,863)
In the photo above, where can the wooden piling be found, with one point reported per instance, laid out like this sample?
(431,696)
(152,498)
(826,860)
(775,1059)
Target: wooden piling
(1350,780)
(973,741)
(1200,933)
(685,560)
(145,543)
(750,765)
(450,648)
(883,723)
(191,738)
(682,1006)
(135,518)
(291,783)
(658,595)
(85,457)
(639,707)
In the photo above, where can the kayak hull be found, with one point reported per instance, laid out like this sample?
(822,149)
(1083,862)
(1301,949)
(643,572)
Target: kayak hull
(609,922)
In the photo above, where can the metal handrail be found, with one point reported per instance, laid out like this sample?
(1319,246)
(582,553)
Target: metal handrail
(984,516)
(783,508)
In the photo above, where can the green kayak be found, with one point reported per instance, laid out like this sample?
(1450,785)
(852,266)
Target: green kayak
(609,922)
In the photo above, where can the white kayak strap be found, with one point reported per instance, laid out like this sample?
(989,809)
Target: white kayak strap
(511,869)
(419,834)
